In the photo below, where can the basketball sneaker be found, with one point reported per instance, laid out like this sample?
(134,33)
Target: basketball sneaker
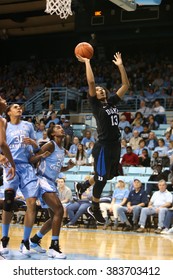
(35,244)
(54,251)
(80,188)
(25,248)
(4,245)
(96,213)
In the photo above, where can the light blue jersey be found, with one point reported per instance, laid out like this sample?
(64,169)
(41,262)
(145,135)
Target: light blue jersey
(51,166)
(15,133)
(25,177)
(48,171)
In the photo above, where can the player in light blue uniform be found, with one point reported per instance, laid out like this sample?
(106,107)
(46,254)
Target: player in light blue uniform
(5,154)
(20,137)
(51,157)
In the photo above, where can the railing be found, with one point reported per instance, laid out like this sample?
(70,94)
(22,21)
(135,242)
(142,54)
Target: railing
(57,95)
(131,104)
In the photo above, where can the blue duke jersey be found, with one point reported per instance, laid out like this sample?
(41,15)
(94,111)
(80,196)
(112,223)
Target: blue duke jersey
(107,118)
(15,135)
(51,166)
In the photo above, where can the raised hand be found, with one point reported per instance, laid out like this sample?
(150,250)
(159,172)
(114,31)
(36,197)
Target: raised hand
(82,59)
(117,59)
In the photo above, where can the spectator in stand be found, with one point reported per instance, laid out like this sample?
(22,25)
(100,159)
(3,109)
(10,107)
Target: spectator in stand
(163,152)
(68,134)
(11,99)
(130,158)
(144,110)
(170,129)
(152,142)
(63,111)
(144,159)
(48,113)
(73,148)
(62,119)
(81,157)
(159,203)
(127,133)
(123,147)
(123,122)
(134,141)
(39,131)
(138,117)
(155,160)
(20,98)
(88,151)
(170,152)
(138,127)
(53,119)
(145,133)
(159,112)
(137,199)
(44,139)
(152,124)
(142,146)
(167,138)
(87,139)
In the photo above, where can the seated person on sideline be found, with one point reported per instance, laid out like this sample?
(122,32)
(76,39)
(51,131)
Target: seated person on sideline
(159,203)
(168,222)
(65,196)
(119,198)
(130,158)
(76,209)
(136,200)
(157,175)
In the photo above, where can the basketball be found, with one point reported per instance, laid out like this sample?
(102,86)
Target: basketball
(84,49)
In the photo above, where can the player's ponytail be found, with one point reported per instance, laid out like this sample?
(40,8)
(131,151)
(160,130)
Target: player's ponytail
(6,113)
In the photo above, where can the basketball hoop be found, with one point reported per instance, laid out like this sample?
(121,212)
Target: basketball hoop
(60,7)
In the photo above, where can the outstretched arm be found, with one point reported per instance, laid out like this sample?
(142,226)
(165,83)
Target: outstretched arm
(124,79)
(6,151)
(89,75)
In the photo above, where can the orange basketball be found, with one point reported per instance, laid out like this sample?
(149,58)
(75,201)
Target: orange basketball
(84,49)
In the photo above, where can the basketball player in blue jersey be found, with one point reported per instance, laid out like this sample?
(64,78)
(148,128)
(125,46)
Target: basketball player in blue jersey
(20,137)
(5,157)
(106,151)
(51,158)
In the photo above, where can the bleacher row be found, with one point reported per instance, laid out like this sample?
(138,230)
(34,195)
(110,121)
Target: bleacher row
(78,174)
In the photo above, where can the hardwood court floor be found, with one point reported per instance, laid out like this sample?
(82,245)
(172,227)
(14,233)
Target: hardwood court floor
(99,244)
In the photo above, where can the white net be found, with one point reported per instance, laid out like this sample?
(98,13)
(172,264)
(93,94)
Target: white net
(60,7)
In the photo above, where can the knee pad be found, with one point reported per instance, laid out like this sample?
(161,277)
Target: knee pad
(9,200)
